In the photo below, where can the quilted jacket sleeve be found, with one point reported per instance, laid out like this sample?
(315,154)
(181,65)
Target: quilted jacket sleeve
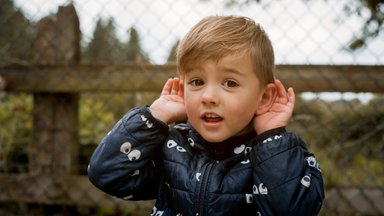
(287,179)
(125,163)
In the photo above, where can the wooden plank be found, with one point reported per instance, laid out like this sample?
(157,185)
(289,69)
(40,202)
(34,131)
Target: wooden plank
(58,190)
(86,78)
(333,78)
(126,78)
(54,146)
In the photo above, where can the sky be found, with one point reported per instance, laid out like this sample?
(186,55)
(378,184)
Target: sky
(302,31)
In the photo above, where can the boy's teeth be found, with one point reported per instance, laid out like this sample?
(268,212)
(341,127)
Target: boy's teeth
(211,116)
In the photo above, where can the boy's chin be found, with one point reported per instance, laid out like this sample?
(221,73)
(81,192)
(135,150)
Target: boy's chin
(220,136)
(214,138)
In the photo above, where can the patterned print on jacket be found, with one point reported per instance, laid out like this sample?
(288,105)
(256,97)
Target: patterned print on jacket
(267,174)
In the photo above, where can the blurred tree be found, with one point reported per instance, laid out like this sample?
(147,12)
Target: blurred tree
(15,36)
(373,24)
(133,49)
(172,55)
(105,47)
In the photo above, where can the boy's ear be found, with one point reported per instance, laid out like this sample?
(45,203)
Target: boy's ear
(267,99)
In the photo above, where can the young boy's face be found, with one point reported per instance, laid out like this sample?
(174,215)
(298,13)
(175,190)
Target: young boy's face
(221,97)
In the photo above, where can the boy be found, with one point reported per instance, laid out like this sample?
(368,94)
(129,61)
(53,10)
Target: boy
(233,156)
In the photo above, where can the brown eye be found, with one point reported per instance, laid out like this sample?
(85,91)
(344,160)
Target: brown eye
(197,82)
(231,84)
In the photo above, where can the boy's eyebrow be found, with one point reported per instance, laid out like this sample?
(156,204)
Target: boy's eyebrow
(190,70)
(232,70)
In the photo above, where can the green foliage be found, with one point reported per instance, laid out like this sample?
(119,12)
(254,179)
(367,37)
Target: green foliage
(99,112)
(15,130)
(347,138)
(94,120)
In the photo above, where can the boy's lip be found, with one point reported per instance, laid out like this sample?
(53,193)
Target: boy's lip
(211,117)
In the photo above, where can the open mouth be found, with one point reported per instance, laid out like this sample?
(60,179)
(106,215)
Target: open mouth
(211,118)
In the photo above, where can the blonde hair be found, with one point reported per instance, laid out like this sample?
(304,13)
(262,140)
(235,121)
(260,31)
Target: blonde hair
(217,36)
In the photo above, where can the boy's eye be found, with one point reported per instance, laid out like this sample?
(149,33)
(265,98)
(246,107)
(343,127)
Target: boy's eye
(197,82)
(230,83)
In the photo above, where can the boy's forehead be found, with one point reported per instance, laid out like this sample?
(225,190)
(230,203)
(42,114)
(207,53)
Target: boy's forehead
(198,61)
(231,63)
(198,64)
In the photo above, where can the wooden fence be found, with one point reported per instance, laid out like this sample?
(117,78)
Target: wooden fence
(56,79)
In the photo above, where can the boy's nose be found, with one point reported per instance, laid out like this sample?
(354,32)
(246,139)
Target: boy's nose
(210,95)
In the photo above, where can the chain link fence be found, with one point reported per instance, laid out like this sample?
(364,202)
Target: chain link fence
(70,69)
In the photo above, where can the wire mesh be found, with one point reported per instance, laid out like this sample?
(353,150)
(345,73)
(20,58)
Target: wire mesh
(50,50)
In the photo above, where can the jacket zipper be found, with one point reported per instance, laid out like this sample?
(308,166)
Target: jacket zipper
(203,189)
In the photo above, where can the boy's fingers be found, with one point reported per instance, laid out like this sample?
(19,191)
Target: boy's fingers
(181,88)
(291,95)
(167,87)
(175,86)
(282,94)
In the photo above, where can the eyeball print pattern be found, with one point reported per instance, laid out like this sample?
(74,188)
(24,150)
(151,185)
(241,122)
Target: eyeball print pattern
(173,144)
(243,149)
(270,139)
(239,149)
(126,147)
(249,198)
(132,154)
(156,212)
(313,163)
(306,181)
(260,189)
(147,122)
(246,161)
(191,142)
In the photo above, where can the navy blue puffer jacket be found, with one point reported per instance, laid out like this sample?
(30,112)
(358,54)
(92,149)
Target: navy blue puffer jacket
(267,174)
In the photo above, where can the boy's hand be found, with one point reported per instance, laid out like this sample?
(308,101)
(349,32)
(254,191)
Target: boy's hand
(279,113)
(169,107)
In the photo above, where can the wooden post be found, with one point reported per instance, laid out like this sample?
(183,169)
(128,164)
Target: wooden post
(54,147)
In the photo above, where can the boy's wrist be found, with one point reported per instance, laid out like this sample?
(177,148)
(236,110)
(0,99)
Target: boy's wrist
(261,130)
(158,114)
(268,133)
(158,123)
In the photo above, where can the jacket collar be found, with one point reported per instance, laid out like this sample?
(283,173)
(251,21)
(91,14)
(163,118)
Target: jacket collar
(221,150)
